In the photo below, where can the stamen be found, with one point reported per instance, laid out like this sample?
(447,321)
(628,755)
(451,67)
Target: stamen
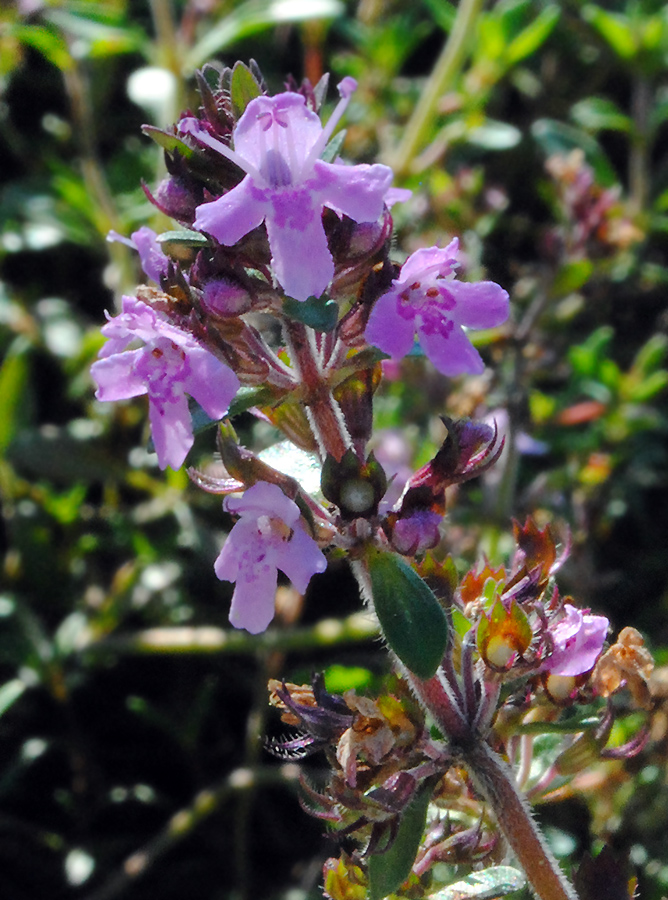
(190,125)
(346,89)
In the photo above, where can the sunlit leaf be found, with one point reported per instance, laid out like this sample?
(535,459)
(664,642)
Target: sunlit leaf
(243,88)
(255,16)
(411,618)
(533,36)
(491,884)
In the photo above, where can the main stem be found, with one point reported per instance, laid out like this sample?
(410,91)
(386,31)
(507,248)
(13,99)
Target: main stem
(495,780)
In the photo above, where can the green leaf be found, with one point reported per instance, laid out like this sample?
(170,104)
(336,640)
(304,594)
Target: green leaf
(316,312)
(613,28)
(490,884)
(412,621)
(557,137)
(50,44)
(571,277)
(168,142)
(247,397)
(443,13)
(13,377)
(531,38)
(389,870)
(333,149)
(243,89)
(599,114)
(171,240)
(255,16)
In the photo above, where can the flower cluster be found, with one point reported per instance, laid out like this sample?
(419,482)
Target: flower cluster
(277,296)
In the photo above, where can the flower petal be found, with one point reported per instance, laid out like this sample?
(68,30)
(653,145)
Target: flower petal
(116,377)
(171,430)
(253,603)
(232,216)
(480,305)
(210,382)
(357,191)
(301,258)
(430,261)
(387,329)
(264,499)
(300,559)
(282,123)
(452,354)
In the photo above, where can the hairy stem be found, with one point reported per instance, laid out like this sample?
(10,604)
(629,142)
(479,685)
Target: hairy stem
(495,780)
(324,414)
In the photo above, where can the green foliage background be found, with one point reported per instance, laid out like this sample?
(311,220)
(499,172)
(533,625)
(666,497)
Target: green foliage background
(131,717)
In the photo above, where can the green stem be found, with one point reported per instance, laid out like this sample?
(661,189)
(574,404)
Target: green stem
(447,68)
(641,104)
(208,639)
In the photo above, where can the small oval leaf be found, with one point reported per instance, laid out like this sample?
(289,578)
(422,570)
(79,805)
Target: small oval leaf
(413,623)
(389,870)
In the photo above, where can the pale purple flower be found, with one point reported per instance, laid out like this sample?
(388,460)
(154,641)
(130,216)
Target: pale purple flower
(267,536)
(277,142)
(170,365)
(427,301)
(578,641)
(154,261)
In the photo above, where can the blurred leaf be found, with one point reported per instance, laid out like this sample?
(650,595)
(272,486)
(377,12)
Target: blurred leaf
(557,137)
(586,357)
(410,616)
(598,114)
(572,277)
(389,870)
(254,16)
(46,41)
(490,884)
(10,693)
(650,386)
(443,13)
(13,377)
(651,354)
(96,37)
(339,679)
(533,36)
(613,28)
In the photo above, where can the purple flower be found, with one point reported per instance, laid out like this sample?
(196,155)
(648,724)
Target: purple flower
(267,537)
(170,365)
(278,142)
(578,641)
(425,299)
(153,261)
